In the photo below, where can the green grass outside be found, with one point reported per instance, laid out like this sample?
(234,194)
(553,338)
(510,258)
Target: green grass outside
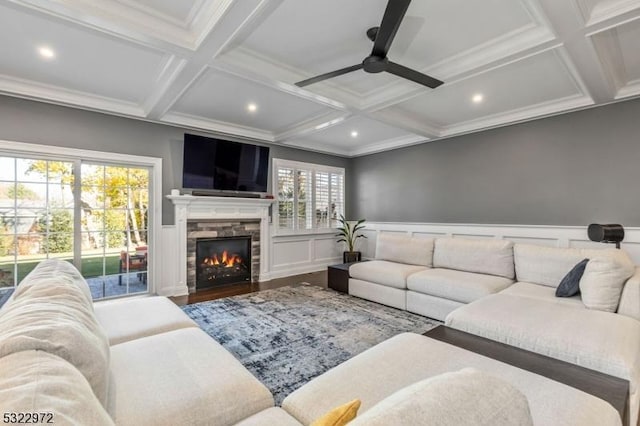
(91,266)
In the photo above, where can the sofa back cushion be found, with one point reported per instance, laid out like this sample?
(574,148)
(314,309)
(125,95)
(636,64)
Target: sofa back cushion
(56,273)
(493,257)
(544,265)
(39,382)
(465,397)
(54,317)
(604,277)
(404,249)
(630,297)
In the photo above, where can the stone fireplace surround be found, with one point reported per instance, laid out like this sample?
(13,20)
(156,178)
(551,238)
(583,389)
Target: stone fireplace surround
(227,213)
(216,228)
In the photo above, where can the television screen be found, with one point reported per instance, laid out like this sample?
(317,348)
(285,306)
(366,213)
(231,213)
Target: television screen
(221,165)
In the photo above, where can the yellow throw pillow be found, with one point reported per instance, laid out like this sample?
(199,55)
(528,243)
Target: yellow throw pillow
(339,416)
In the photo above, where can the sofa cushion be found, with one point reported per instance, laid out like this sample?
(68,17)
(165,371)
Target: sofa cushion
(407,358)
(464,287)
(270,417)
(404,249)
(603,279)
(542,292)
(570,284)
(128,319)
(59,321)
(465,397)
(39,382)
(493,257)
(598,340)
(391,274)
(544,265)
(56,274)
(630,298)
(181,377)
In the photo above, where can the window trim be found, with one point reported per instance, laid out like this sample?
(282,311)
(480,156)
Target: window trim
(313,168)
(155,186)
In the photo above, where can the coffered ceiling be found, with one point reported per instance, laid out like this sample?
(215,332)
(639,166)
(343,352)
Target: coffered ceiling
(229,66)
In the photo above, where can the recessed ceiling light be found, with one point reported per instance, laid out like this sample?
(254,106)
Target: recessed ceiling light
(477,98)
(252,107)
(354,134)
(46,52)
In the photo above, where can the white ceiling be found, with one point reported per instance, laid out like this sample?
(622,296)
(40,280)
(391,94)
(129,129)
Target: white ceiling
(199,63)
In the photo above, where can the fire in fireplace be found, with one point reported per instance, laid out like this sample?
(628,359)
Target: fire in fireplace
(222,261)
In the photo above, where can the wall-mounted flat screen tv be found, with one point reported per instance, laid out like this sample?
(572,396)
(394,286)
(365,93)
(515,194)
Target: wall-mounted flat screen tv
(222,165)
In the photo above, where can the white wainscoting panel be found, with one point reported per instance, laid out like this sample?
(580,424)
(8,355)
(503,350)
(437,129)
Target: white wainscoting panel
(553,236)
(291,252)
(300,254)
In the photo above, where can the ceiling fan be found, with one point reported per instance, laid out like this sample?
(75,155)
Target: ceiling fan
(377,61)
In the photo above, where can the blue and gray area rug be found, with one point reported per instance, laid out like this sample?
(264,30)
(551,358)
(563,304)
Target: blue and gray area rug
(290,335)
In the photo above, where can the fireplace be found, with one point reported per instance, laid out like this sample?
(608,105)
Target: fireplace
(222,261)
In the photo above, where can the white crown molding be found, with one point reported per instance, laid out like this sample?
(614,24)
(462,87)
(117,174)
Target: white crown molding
(217,126)
(316,147)
(632,88)
(607,10)
(53,94)
(132,4)
(544,109)
(312,125)
(389,144)
(394,116)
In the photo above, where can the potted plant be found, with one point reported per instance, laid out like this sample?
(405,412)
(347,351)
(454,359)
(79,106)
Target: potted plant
(349,234)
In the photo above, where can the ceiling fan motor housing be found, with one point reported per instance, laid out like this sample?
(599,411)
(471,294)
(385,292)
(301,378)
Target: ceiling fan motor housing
(374,64)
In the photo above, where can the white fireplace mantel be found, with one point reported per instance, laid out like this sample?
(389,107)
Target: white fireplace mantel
(191,207)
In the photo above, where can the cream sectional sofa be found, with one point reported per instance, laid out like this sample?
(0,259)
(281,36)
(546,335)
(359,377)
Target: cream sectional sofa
(143,361)
(506,292)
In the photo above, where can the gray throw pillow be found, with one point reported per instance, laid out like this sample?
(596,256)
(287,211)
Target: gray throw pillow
(570,284)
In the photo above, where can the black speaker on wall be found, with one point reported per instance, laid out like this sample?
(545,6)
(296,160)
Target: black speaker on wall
(611,233)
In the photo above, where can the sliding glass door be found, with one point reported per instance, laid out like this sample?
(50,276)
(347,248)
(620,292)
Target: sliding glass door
(93,215)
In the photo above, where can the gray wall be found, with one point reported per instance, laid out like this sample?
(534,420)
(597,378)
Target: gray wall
(35,122)
(571,169)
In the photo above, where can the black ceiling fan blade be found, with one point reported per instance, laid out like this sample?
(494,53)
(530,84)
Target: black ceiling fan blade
(391,21)
(328,75)
(415,76)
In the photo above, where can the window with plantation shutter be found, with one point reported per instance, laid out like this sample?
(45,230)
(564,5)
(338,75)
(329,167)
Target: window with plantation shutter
(309,196)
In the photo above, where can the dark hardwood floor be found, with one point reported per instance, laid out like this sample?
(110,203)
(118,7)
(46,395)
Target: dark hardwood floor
(315,278)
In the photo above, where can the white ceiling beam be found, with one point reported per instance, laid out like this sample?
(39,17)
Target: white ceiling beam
(237,16)
(567,22)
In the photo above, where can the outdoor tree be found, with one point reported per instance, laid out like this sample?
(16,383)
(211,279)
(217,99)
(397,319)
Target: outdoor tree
(21,192)
(114,199)
(60,225)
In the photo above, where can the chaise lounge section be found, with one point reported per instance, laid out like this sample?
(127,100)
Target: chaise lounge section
(131,362)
